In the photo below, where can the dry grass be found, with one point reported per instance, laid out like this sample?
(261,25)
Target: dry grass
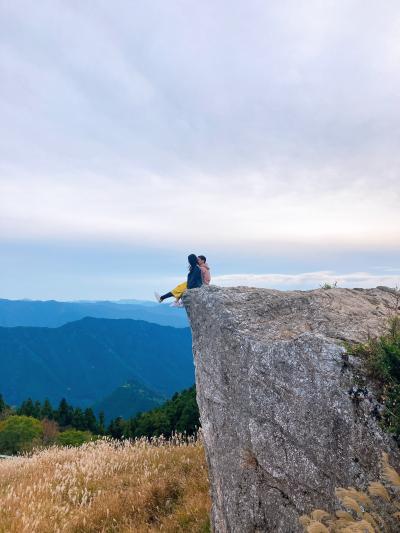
(107,486)
(375,512)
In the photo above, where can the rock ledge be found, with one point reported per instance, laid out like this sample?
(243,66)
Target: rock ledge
(281,431)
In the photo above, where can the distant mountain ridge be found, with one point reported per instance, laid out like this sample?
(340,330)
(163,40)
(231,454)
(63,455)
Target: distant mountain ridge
(52,313)
(86,360)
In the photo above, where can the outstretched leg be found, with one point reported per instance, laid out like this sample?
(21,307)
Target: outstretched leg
(177,292)
(165,296)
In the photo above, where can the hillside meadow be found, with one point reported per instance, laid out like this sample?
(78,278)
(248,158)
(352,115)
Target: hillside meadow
(107,486)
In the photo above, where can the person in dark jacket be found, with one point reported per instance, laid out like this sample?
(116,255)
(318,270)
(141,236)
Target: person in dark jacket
(194,278)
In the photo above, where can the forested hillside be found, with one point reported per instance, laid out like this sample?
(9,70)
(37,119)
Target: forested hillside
(127,400)
(179,414)
(36,423)
(85,361)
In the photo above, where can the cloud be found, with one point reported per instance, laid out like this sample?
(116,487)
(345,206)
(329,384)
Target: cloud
(214,123)
(100,209)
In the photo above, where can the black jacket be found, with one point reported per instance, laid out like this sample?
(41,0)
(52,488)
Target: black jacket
(194,279)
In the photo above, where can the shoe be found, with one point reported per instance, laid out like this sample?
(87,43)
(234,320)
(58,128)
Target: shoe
(157,297)
(177,303)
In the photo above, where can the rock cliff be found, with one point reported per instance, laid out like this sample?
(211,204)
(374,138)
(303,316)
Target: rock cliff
(280,428)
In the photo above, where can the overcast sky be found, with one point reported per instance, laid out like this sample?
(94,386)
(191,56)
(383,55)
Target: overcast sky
(265,135)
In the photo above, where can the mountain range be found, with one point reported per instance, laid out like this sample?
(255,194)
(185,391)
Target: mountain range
(51,313)
(95,361)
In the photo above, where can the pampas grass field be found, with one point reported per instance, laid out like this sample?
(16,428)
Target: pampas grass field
(107,486)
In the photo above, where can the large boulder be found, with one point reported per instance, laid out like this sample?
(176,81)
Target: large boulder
(281,430)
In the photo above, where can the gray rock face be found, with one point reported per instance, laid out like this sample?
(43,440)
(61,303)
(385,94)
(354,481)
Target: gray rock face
(281,431)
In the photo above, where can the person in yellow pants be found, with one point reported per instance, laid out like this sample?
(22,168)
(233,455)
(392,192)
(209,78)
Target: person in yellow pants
(177,292)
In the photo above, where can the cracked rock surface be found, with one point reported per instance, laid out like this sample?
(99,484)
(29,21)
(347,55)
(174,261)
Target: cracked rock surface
(281,430)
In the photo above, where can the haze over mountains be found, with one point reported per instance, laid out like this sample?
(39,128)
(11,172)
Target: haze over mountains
(52,313)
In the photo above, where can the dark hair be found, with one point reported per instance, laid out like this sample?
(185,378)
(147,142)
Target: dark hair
(203,258)
(192,258)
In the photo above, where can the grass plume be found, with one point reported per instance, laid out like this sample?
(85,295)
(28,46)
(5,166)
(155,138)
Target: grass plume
(107,485)
(361,512)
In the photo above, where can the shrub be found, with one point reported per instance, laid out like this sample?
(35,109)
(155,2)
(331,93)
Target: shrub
(74,437)
(327,285)
(19,434)
(382,362)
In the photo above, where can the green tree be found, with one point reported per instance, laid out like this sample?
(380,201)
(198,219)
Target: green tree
(64,414)
(74,437)
(2,404)
(27,408)
(117,428)
(47,410)
(90,420)
(5,410)
(78,419)
(37,410)
(19,433)
(101,429)
(180,413)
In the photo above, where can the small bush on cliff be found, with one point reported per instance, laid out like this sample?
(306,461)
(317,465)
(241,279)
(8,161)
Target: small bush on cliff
(382,362)
(327,285)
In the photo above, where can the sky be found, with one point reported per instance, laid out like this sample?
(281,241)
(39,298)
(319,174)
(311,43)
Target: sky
(264,135)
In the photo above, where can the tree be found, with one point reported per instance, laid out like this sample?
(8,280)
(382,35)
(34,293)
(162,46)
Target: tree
(101,429)
(90,420)
(27,408)
(2,404)
(19,433)
(50,431)
(5,410)
(78,419)
(47,410)
(64,414)
(178,414)
(117,428)
(37,410)
(74,437)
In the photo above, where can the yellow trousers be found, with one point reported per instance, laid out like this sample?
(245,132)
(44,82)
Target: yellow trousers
(179,290)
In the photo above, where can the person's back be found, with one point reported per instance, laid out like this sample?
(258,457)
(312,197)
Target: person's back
(194,278)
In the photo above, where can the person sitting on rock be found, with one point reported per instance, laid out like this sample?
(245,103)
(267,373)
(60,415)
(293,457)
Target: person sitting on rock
(205,269)
(194,280)
(194,277)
